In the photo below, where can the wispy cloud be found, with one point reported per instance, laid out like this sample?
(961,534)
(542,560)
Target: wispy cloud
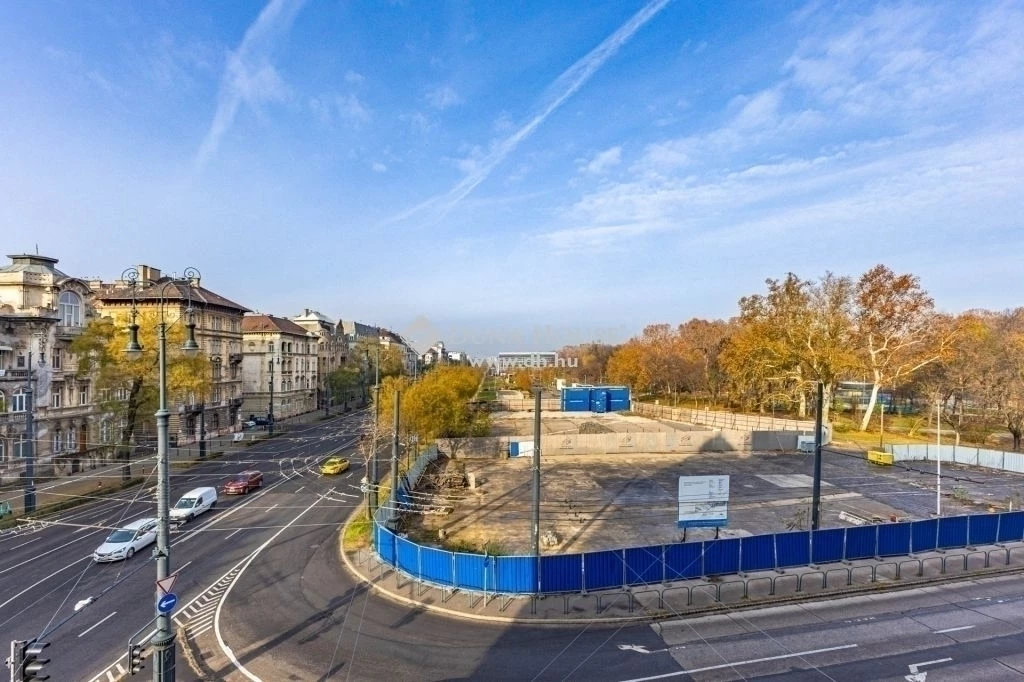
(609,158)
(249,76)
(564,87)
(379,167)
(443,97)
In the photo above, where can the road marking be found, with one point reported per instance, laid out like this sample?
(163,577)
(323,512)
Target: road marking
(916,676)
(272,508)
(753,661)
(641,649)
(301,489)
(216,621)
(121,669)
(43,580)
(97,624)
(24,543)
(962,627)
(237,530)
(38,556)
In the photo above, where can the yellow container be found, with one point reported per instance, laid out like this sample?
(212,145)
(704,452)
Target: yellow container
(876,457)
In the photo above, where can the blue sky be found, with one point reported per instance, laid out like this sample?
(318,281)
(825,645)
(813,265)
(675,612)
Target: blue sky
(517,174)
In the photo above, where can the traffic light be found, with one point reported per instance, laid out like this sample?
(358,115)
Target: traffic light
(135,658)
(32,662)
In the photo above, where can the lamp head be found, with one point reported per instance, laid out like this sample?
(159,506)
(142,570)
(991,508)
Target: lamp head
(190,347)
(133,350)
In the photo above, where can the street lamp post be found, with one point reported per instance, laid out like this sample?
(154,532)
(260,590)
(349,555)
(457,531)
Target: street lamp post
(163,639)
(270,407)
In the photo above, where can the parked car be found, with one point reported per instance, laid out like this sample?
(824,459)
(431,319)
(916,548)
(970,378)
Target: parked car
(123,543)
(193,503)
(334,465)
(242,483)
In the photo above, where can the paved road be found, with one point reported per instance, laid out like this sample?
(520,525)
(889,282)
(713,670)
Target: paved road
(45,572)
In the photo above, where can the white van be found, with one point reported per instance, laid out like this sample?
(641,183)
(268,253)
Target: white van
(193,503)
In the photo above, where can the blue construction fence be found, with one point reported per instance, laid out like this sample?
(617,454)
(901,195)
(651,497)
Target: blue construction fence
(689,560)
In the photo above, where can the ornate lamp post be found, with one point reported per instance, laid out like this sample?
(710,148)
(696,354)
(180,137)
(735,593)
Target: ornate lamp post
(163,640)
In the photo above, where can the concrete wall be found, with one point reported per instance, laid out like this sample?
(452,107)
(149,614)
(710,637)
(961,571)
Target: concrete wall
(658,442)
(730,420)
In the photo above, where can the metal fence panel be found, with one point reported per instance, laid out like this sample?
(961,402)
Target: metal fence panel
(952,532)
(515,574)
(561,573)
(602,570)
(923,535)
(1011,526)
(861,542)
(894,539)
(407,555)
(982,529)
(793,549)
(722,556)
(684,560)
(436,565)
(644,565)
(469,572)
(758,553)
(1014,461)
(827,545)
(385,544)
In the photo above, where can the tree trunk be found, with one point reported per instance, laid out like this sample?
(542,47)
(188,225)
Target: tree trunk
(1016,438)
(871,405)
(801,411)
(826,396)
(124,447)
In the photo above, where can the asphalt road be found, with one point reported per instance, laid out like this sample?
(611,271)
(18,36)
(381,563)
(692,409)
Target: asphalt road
(45,572)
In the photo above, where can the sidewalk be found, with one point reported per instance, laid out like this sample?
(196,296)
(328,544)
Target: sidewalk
(690,597)
(106,478)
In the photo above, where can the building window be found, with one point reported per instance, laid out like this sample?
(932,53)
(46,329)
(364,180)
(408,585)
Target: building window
(71,439)
(21,447)
(121,393)
(83,394)
(21,361)
(3,402)
(70,309)
(57,357)
(105,431)
(56,442)
(3,450)
(56,393)
(19,402)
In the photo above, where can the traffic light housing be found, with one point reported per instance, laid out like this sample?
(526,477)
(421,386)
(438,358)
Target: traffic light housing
(135,662)
(32,662)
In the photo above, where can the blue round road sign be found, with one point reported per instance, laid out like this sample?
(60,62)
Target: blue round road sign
(167,603)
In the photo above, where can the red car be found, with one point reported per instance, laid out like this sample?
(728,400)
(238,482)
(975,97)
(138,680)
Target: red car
(242,483)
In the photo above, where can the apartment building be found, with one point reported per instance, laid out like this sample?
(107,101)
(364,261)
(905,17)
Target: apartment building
(279,367)
(332,349)
(42,310)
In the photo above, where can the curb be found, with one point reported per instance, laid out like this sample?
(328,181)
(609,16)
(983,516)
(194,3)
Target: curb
(873,588)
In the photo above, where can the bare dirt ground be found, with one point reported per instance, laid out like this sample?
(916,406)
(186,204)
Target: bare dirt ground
(592,502)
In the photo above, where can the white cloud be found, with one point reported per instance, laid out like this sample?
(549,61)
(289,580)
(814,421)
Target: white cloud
(249,77)
(351,109)
(354,77)
(607,159)
(758,111)
(443,97)
(379,167)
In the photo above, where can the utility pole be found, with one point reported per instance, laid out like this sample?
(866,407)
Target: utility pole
(30,438)
(938,456)
(394,453)
(536,475)
(270,409)
(816,495)
(202,430)
(374,477)
(163,640)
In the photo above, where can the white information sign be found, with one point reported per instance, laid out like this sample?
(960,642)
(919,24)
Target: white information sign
(703,501)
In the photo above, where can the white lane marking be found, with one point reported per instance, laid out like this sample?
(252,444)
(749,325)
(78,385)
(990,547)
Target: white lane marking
(751,662)
(43,580)
(196,633)
(915,666)
(272,508)
(207,619)
(24,543)
(110,676)
(121,669)
(237,530)
(38,556)
(216,621)
(98,623)
(301,489)
(962,627)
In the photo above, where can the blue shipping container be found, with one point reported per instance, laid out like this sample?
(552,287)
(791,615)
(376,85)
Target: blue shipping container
(599,400)
(575,399)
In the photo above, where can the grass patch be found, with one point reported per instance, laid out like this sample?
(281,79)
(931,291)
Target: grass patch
(357,533)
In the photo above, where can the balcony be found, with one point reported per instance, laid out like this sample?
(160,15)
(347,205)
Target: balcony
(234,358)
(14,374)
(68,333)
(13,418)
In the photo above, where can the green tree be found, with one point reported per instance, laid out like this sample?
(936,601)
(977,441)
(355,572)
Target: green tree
(128,389)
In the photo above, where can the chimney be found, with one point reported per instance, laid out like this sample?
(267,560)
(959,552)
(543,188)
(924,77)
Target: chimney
(148,274)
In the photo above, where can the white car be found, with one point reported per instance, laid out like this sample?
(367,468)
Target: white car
(124,542)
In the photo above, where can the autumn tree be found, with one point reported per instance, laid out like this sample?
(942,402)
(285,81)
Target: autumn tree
(128,389)
(346,382)
(701,342)
(896,329)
